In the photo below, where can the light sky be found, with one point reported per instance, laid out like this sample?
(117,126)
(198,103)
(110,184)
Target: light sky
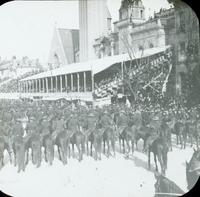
(26,27)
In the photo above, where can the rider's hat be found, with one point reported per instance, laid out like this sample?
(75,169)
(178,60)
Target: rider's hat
(90,114)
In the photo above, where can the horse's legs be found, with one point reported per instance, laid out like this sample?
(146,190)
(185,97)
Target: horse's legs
(197,142)
(161,161)
(181,140)
(59,153)
(99,150)
(10,157)
(155,160)
(32,155)
(45,154)
(128,147)
(83,148)
(113,146)
(91,148)
(10,154)
(87,147)
(123,144)
(185,140)
(96,150)
(149,159)
(132,146)
(171,142)
(120,146)
(108,147)
(1,158)
(136,144)
(145,144)
(1,161)
(27,156)
(177,139)
(104,146)
(39,159)
(15,159)
(79,152)
(63,155)
(191,139)
(73,152)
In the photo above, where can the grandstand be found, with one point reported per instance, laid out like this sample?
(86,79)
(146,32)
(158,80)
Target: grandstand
(91,80)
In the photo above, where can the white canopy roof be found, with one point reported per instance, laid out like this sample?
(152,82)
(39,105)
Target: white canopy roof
(95,66)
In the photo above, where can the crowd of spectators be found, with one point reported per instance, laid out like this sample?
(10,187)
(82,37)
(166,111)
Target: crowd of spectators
(149,77)
(12,85)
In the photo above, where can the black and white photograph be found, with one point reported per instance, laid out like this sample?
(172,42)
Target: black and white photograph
(99,98)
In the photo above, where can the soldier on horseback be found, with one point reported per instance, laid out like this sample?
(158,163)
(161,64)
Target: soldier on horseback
(108,131)
(153,133)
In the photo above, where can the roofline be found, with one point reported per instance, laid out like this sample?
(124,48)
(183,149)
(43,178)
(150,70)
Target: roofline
(88,65)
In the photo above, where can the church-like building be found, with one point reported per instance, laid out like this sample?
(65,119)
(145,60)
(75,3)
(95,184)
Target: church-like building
(133,32)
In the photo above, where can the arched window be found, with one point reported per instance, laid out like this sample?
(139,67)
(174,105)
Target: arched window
(141,13)
(141,47)
(56,60)
(151,45)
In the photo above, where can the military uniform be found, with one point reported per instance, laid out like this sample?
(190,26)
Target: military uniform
(72,125)
(153,136)
(122,123)
(18,129)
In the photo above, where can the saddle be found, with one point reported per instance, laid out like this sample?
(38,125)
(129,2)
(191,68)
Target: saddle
(121,129)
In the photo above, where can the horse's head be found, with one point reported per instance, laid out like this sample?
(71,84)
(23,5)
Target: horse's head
(165,187)
(160,184)
(193,169)
(194,164)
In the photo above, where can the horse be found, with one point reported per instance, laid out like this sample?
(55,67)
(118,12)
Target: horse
(107,125)
(34,142)
(80,142)
(123,130)
(1,152)
(18,146)
(48,145)
(94,136)
(109,137)
(97,141)
(180,130)
(5,145)
(159,148)
(143,132)
(128,136)
(164,187)
(165,133)
(62,141)
(193,169)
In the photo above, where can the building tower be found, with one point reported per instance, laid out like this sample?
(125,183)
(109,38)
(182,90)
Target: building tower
(130,13)
(94,21)
(134,10)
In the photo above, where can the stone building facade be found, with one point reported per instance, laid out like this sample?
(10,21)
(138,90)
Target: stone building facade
(186,44)
(133,31)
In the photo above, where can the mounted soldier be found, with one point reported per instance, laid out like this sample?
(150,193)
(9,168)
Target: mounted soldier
(153,132)
(61,139)
(33,141)
(91,127)
(108,131)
